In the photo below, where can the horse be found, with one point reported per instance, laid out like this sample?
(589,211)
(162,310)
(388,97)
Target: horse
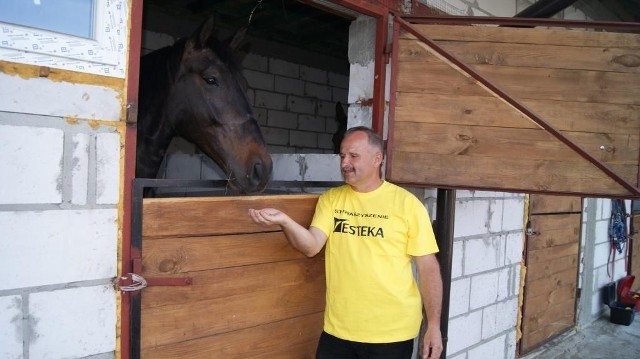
(195,89)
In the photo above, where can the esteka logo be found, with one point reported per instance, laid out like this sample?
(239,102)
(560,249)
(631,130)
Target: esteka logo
(341,225)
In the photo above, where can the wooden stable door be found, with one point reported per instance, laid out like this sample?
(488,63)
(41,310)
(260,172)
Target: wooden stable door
(252,295)
(551,259)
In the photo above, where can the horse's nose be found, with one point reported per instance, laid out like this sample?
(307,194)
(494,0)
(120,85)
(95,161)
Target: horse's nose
(259,173)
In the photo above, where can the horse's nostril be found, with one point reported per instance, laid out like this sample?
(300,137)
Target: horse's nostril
(257,173)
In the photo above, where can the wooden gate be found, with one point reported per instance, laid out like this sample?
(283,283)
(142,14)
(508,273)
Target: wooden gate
(526,109)
(251,295)
(551,259)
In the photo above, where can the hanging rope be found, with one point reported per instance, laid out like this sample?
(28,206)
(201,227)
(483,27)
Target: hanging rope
(617,231)
(258,3)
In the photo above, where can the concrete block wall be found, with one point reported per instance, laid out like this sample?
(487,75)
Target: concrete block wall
(485,276)
(59,218)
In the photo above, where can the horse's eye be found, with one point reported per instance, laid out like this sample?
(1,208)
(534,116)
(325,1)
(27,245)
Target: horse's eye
(211,80)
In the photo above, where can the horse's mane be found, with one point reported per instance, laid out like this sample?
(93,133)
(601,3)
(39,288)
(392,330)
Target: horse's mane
(157,70)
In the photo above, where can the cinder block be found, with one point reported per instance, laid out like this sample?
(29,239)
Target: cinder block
(270,100)
(275,136)
(323,167)
(30,165)
(499,318)
(484,289)
(183,165)
(260,115)
(494,348)
(483,254)
(282,119)
(302,105)
(460,296)
(107,168)
(255,62)
(602,231)
(327,109)
(77,245)
(496,207)
(361,82)
(471,217)
(11,328)
(313,75)
(340,95)
(497,8)
(289,85)
(513,214)
(604,206)
(324,141)
(359,116)
(311,123)
(512,343)
(73,323)
(514,245)
(79,168)
(259,80)
(319,91)
(601,255)
(338,80)
(303,139)
(470,325)
(284,68)
(457,259)
(572,13)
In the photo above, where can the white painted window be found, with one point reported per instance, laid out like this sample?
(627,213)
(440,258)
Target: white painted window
(81,35)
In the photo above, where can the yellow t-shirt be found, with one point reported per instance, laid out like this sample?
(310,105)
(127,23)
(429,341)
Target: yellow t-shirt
(372,296)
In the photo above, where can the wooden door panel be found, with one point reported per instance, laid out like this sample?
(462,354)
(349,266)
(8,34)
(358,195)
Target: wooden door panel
(251,294)
(552,253)
(272,340)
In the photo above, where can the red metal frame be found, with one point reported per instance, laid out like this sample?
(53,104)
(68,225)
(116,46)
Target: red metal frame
(497,90)
(377,9)
(381,13)
(133,72)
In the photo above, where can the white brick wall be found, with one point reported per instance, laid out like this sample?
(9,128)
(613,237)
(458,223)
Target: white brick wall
(11,326)
(487,254)
(64,326)
(59,203)
(25,180)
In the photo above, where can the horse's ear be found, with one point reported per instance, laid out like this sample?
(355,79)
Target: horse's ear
(238,39)
(206,31)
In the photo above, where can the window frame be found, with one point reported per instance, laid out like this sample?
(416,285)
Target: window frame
(104,54)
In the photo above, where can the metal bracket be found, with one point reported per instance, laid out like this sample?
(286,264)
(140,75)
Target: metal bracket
(132,282)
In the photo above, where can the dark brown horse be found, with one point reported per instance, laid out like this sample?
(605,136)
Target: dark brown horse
(195,89)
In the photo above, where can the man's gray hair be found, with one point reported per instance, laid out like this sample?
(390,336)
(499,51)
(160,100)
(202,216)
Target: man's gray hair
(375,139)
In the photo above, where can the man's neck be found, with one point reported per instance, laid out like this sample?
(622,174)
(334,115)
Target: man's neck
(368,187)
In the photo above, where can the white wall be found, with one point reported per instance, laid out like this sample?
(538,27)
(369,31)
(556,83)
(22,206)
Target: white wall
(59,217)
(61,135)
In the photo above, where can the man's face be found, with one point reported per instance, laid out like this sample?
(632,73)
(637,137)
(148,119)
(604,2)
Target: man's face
(359,161)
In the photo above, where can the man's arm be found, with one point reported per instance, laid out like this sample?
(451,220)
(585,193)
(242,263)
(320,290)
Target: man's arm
(430,283)
(308,241)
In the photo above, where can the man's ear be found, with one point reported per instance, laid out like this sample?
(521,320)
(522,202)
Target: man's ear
(378,158)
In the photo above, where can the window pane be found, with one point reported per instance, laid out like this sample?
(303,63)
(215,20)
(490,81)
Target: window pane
(71,17)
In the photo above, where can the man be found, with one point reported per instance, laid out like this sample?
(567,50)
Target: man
(372,230)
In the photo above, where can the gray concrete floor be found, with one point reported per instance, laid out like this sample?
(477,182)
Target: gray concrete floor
(600,339)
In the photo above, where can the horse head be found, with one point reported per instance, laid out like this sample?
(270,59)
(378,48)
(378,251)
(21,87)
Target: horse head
(205,101)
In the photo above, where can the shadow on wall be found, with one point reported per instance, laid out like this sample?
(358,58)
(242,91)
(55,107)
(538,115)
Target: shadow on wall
(341,119)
